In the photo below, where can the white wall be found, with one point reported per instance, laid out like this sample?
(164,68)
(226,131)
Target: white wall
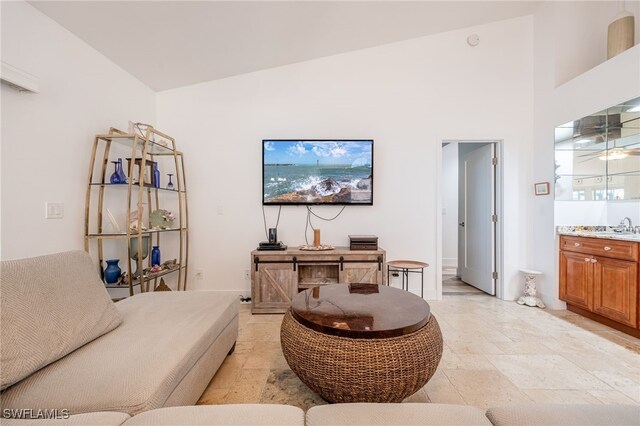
(607,84)
(567,213)
(450,205)
(580,34)
(408,96)
(601,213)
(47,137)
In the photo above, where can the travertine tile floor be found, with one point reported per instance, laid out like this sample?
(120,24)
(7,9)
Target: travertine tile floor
(495,353)
(454,286)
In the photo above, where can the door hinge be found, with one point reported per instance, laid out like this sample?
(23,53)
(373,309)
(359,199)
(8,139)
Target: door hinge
(494,275)
(494,161)
(494,218)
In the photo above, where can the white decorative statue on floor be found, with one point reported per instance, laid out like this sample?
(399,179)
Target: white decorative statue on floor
(530,297)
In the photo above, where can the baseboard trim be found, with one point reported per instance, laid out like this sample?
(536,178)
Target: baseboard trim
(449,262)
(604,320)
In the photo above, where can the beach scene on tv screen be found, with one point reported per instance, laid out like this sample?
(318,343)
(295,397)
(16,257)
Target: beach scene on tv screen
(318,172)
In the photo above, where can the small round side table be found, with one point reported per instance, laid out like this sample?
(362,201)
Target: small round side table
(405,267)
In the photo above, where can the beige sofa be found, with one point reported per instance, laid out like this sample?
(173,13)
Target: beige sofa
(446,414)
(361,415)
(65,346)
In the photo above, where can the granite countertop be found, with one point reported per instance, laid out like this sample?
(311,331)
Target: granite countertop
(597,232)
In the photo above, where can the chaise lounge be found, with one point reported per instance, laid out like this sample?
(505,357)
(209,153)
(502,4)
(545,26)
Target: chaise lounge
(66,345)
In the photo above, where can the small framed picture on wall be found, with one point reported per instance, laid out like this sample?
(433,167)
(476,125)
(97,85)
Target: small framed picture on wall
(541,188)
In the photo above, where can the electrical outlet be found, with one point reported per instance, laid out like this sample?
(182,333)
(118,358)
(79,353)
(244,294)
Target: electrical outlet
(247,274)
(199,274)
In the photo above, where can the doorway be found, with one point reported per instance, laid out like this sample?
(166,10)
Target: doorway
(469,227)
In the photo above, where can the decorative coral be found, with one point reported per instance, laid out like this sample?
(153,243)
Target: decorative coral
(161,219)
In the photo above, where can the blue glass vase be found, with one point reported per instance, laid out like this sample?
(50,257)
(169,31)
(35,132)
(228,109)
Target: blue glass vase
(155,256)
(112,272)
(115,177)
(123,176)
(156,176)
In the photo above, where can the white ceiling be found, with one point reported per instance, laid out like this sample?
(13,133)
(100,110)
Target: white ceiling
(168,44)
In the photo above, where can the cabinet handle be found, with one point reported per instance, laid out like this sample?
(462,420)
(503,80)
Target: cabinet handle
(576,244)
(594,260)
(587,259)
(607,248)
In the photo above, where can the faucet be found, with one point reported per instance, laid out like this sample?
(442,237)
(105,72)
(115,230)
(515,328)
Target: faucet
(622,227)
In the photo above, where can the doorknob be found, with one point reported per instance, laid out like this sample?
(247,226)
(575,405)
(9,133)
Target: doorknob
(461,224)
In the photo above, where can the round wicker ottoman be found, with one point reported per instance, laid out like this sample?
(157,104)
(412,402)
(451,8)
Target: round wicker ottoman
(377,365)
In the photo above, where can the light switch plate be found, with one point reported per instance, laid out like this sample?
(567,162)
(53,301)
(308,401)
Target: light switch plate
(54,210)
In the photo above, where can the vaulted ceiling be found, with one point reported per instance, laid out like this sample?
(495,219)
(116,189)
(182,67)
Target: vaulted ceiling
(168,44)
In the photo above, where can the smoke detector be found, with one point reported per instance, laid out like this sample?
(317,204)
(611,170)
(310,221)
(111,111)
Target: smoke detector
(473,40)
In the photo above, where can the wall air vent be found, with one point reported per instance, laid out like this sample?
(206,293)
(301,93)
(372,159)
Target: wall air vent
(18,79)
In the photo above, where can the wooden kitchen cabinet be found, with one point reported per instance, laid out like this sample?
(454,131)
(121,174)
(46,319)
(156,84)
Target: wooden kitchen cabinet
(615,290)
(616,249)
(576,279)
(599,279)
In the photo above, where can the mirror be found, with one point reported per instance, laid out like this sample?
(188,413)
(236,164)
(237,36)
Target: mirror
(598,156)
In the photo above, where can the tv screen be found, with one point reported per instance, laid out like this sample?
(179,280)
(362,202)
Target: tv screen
(317,172)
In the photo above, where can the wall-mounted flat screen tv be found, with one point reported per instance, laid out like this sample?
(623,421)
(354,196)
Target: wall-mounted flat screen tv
(316,172)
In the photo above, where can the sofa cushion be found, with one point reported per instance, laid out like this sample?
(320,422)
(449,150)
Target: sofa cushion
(564,414)
(93,419)
(50,306)
(136,366)
(233,414)
(409,414)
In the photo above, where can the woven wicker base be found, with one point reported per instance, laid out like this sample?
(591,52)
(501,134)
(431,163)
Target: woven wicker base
(341,369)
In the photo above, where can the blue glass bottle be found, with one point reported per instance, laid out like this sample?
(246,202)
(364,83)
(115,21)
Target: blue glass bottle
(123,177)
(156,176)
(112,272)
(155,255)
(115,177)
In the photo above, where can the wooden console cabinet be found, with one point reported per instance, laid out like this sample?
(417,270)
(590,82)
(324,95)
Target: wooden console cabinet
(277,276)
(599,279)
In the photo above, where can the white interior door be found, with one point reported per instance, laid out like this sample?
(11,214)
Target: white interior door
(477,229)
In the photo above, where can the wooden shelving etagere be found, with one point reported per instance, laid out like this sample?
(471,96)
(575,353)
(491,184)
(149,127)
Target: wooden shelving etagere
(145,144)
